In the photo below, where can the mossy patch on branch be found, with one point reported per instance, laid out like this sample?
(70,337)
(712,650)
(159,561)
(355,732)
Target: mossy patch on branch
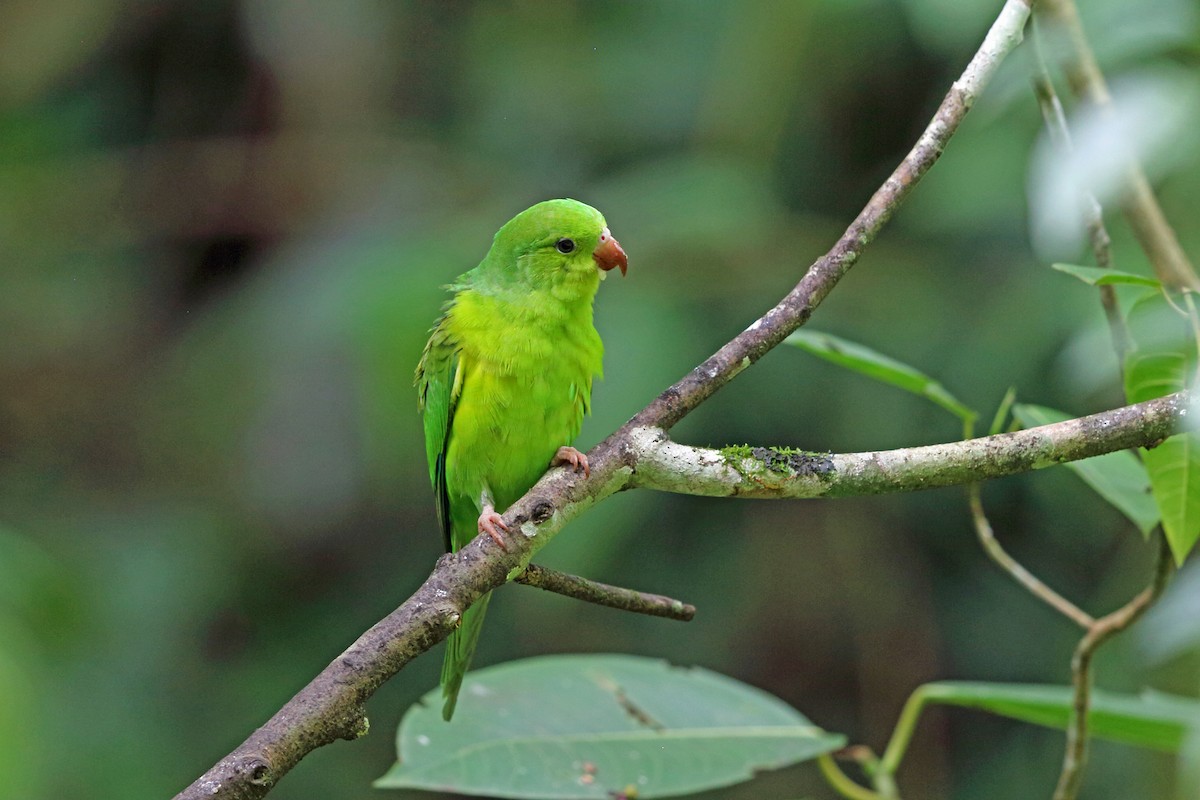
(756,461)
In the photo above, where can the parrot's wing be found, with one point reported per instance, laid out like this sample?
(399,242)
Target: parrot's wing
(439,384)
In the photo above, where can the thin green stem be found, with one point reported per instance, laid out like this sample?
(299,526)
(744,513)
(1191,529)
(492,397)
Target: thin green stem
(906,726)
(1002,412)
(841,783)
(1194,320)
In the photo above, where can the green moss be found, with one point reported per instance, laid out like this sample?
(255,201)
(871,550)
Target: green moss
(736,452)
(757,461)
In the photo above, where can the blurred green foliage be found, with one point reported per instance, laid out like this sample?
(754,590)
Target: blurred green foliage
(225,225)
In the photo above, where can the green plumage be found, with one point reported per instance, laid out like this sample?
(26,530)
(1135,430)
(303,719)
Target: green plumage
(506,379)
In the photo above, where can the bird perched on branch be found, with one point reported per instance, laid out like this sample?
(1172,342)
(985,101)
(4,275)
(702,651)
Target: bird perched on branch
(506,378)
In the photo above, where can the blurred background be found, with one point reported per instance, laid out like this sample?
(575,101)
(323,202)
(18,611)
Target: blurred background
(225,226)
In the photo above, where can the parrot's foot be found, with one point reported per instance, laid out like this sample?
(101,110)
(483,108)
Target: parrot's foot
(489,522)
(569,455)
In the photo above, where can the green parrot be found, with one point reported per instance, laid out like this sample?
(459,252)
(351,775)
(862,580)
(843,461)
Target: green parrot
(506,378)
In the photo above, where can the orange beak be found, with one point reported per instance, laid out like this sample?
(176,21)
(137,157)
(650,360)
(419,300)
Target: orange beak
(608,253)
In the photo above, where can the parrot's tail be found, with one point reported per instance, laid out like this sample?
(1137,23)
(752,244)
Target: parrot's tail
(460,647)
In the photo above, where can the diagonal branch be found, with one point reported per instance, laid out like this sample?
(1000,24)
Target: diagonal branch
(331,706)
(794,310)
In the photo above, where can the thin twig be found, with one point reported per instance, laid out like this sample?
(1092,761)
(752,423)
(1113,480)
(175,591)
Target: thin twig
(991,546)
(1100,632)
(1140,206)
(602,594)
(1093,213)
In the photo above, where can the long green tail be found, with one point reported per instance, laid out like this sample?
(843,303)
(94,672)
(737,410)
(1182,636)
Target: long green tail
(460,647)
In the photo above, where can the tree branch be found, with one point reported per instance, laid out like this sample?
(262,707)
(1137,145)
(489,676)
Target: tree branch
(602,594)
(331,706)
(758,472)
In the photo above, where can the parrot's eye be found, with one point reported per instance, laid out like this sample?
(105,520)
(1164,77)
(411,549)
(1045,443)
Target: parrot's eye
(565,245)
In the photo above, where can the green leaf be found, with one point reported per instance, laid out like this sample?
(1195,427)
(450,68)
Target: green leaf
(1163,361)
(880,367)
(589,726)
(1098,276)
(1154,720)
(1117,477)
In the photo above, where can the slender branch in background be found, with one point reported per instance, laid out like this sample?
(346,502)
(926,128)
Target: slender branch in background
(331,706)
(1060,135)
(603,594)
(1141,208)
(1100,632)
(1173,268)
(992,547)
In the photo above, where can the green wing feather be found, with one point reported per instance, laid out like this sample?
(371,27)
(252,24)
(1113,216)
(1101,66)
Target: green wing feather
(439,386)
(438,390)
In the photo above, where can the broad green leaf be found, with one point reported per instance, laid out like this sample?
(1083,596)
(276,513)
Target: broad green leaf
(1163,361)
(1117,477)
(591,726)
(880,367)
(1154,720)
(1098,276)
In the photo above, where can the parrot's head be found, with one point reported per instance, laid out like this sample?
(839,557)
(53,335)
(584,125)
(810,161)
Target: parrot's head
(560,246)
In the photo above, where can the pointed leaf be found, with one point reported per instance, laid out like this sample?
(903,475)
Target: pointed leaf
(1163,361)
(875,365)
(591,726)
(1117,477)
(1155,720)
(1174,468)
(1098,276)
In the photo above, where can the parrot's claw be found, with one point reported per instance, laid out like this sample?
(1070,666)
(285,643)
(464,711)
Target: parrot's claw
(569,455)
(489,522)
